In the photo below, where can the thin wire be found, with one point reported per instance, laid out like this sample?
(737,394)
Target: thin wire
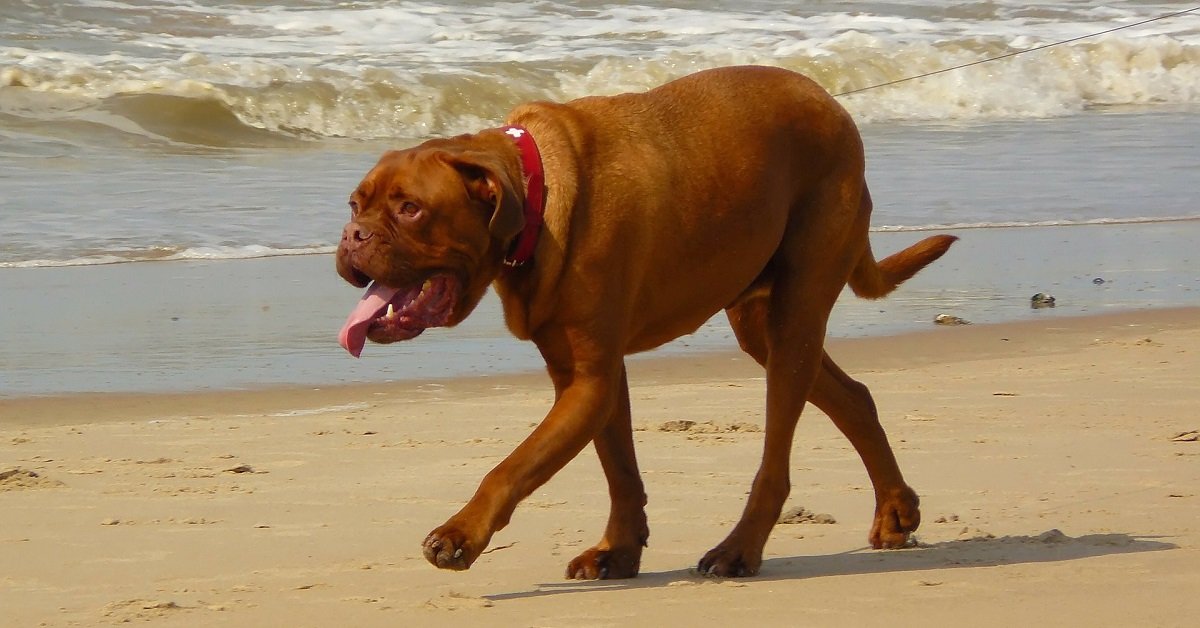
(1019,52)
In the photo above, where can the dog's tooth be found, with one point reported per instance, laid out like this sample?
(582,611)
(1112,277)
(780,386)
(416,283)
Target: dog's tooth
(391,310)
(425,286)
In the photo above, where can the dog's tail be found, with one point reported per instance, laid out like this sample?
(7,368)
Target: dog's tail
(874,280)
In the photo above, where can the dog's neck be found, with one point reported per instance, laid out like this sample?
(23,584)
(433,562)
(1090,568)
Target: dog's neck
(535,197)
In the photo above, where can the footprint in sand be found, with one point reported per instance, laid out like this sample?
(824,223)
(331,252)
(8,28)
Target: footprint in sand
(129,610)
(24,479)
(453,600)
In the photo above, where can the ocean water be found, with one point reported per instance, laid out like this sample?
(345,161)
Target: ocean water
(148,148)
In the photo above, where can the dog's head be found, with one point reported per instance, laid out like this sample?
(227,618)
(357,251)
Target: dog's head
(428,230)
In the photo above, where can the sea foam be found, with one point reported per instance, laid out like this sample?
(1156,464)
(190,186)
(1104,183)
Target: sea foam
(421,69)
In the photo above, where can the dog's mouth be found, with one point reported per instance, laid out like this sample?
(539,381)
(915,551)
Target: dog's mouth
(386,314)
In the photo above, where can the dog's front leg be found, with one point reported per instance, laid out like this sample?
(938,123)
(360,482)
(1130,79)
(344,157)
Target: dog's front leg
(580,411)
(619,552)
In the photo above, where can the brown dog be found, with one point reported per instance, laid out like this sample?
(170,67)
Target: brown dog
(739,189)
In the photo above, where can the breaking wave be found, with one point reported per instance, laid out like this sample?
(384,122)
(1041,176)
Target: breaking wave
(209,100)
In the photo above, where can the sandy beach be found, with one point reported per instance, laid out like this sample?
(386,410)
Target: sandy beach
(184,443)
(1056,458)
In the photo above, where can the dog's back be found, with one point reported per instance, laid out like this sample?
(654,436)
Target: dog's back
(685,191)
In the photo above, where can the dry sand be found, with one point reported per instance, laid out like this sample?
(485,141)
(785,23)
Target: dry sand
(1059,484)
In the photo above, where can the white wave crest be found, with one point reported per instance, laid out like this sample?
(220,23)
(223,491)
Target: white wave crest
(371,72)
(1058,81)
(1137,220)
(253,251)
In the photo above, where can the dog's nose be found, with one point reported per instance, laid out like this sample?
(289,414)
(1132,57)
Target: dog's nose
(355,234)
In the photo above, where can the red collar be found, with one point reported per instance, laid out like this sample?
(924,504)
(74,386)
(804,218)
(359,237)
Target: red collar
(535,196)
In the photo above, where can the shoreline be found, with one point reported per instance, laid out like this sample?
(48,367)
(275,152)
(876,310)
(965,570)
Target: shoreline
(215,253)
(856,355)
(236,324)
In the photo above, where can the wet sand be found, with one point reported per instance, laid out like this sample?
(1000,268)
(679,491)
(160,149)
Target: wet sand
(248,324)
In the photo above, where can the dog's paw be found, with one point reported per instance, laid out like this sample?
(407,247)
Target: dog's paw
(729,561)
(609,564)
(447,547)
(897,515)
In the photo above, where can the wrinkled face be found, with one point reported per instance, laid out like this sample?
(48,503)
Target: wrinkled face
(419,236)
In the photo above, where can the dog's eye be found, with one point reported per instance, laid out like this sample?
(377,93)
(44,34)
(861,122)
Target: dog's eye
(408,209)
(353,208)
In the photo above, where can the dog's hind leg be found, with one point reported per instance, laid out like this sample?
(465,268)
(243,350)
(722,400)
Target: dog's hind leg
(806,280)
(849,404)
(619,552)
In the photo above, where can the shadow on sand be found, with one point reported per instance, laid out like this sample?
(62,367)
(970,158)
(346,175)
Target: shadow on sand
(1050,546)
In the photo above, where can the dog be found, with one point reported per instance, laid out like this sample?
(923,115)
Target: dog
(612,225)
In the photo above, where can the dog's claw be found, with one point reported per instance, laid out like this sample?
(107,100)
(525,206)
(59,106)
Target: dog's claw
(605,564)
(448,548)
(897,516)
(723,562)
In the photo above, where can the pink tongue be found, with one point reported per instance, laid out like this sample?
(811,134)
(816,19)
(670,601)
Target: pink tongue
(354,333)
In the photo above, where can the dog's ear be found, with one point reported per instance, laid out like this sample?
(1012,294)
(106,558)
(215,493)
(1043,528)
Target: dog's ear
(487,181)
